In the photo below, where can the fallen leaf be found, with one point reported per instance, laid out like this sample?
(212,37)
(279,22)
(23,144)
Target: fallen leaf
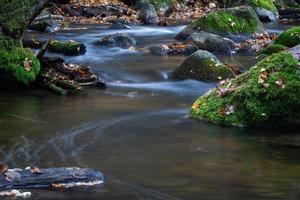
(3,168)
(27,64)
(35,170)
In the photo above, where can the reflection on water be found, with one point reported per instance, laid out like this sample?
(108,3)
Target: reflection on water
(138,133)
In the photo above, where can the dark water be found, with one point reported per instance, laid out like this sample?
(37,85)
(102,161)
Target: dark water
(138,133)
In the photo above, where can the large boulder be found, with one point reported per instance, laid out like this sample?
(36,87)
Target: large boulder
(289,38)
(121,40)
(212,42)
(148,13)
(232,21)
(265,96)
(201,65)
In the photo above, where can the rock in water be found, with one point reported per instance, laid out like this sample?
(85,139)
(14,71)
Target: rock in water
(265,96)
(232,21)
(173,49)
(201,65)
(121,40)
(212,42)
(289,38)
(66,177)
(267,15)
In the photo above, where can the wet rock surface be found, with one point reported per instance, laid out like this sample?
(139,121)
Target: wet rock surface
(121,40)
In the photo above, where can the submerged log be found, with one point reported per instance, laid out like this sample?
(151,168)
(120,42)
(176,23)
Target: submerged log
(51,178)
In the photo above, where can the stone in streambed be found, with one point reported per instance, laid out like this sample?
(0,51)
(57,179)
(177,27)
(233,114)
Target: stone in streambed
(121,40)
(289,38)
(201,65)
(265,96)
(173,49)
(232,21)
(212,42)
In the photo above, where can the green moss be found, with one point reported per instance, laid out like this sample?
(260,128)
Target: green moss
(12,65)
(67,48)
(205,70)
(267,4)
(226,23)
(252,103)
(14,15)
(289,38)
(271,49)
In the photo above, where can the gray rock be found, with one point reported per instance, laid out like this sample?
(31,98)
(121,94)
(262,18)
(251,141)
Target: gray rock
(119,26)
(267,15)
(201,65)
(160,50)
(121,40)
(212,42)
(148,14)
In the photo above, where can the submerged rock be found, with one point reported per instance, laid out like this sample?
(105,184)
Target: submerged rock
(232,21)
(173,49)
(119,26)
(266,96)
(121,40)
(212,42)
(201,65)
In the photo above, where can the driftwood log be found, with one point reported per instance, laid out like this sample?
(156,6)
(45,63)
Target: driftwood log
(52,177)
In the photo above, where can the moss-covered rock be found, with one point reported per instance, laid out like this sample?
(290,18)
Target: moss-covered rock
(201,65)
(266,95)
(266,4)
(67,48)
(18,65)
(271,49)
(289,38)
(232,21)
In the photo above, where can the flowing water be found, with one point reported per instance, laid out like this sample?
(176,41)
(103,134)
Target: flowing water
(138,133)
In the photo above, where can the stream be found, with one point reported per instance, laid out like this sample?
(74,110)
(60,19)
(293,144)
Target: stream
(138,132)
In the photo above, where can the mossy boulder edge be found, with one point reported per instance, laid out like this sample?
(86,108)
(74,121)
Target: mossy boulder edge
(289,38)
(265,96)
(201,65)
(232,21)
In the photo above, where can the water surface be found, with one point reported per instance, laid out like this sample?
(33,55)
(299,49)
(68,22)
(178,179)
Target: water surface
(138,133)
